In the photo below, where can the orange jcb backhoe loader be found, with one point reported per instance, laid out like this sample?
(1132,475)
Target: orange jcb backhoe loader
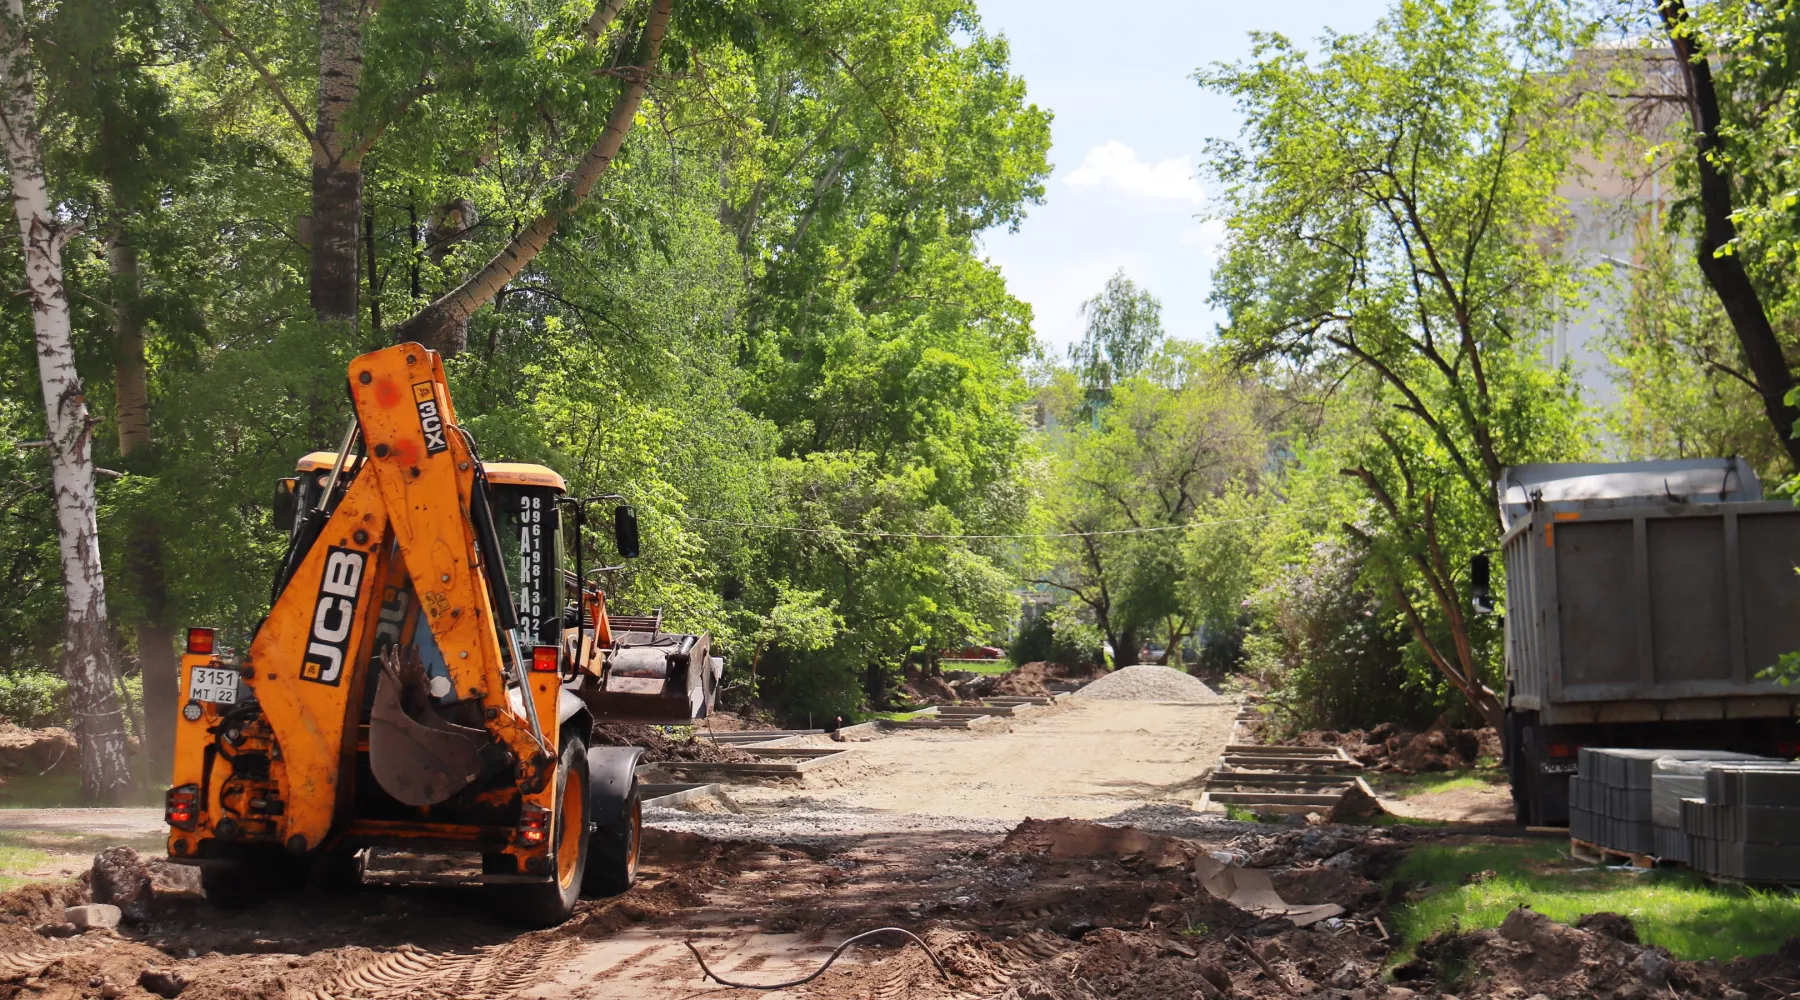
(428,675)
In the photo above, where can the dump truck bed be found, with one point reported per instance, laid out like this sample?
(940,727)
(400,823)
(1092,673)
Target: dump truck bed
(1646,612)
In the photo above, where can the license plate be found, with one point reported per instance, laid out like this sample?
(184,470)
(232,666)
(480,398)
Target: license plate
(218,685)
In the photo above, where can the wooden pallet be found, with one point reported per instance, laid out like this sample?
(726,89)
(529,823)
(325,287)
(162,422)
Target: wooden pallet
(1595,854)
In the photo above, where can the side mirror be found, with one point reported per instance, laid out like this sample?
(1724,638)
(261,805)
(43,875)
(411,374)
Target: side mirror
(1481,580)
(625,532)
(287,503)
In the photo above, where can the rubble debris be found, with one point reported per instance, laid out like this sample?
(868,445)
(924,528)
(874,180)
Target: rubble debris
(120,878)
(93,916)
(165,983)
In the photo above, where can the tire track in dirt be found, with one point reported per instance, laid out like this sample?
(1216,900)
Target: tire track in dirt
(486,972)
(28,962)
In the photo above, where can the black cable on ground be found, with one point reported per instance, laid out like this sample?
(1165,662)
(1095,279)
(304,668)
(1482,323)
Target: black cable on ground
(710,974)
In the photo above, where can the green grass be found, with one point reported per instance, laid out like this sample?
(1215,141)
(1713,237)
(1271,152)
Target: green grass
(1675,909)
(983,666)
(896,716)
(1389,819)
(15,860)
(63,788)
(1239,814)
(1405,786)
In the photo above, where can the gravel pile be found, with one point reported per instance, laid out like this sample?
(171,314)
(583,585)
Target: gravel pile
(1147,682)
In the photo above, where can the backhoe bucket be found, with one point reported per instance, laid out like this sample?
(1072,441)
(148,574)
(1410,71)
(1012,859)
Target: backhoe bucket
(422,762)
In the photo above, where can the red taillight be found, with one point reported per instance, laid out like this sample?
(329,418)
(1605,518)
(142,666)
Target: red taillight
(1563,749)
(545,659)
(200,641)
(1787,748)
(181,806)
(534,825)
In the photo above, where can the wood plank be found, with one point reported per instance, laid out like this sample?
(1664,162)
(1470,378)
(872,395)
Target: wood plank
(1276,798)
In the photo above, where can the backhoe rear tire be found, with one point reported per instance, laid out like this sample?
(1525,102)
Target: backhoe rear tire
(613,850)
(548,903)
(243,875)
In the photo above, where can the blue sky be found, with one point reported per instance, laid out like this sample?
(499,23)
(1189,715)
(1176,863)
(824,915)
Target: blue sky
(1130,130)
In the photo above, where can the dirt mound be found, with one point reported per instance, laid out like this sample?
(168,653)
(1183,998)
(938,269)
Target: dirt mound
(1145,682)
(1530,954)
(1390,748)
(33,751)
(925,689)
(737,722)
(1033,678)
(659,747)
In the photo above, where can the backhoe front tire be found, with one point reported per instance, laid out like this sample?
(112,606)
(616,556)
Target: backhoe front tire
(548,903)
(613,850)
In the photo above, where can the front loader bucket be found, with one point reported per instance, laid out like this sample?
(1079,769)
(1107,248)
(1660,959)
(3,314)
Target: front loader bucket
(657,678)
(420,763)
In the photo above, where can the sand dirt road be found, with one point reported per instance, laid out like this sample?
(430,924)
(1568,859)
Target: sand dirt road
(1083,759)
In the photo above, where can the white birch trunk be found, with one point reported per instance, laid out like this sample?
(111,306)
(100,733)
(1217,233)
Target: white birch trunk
(87,646)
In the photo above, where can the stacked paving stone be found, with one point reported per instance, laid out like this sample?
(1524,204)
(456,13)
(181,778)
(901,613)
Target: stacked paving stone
(1611,796)
(1748,825)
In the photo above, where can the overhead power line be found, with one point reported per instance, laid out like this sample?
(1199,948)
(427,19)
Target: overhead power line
(834,530)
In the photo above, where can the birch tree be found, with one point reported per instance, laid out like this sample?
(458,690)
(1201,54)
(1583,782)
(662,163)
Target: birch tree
(87,646)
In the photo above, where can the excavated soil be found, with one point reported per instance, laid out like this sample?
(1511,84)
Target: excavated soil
(1531,955)
(1389,748)
(35,751)
(1029,680)
(1065,909)
(659,748)
(1052,910)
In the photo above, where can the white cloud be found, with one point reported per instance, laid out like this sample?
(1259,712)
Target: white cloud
(1207,236)
(1116,167)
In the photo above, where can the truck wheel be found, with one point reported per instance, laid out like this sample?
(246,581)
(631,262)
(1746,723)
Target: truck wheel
(244,875)
(339,871)
(613,851)
(1520,778)
(1530,758)
(548,903)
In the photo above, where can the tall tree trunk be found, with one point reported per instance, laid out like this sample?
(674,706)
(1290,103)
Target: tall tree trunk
(87,646)
(131,388)
(449,225)
(435,324)
(373,271)
(337,179)
(1725,273)
(144,562)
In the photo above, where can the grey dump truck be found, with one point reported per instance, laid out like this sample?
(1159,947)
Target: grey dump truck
(1643,601)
